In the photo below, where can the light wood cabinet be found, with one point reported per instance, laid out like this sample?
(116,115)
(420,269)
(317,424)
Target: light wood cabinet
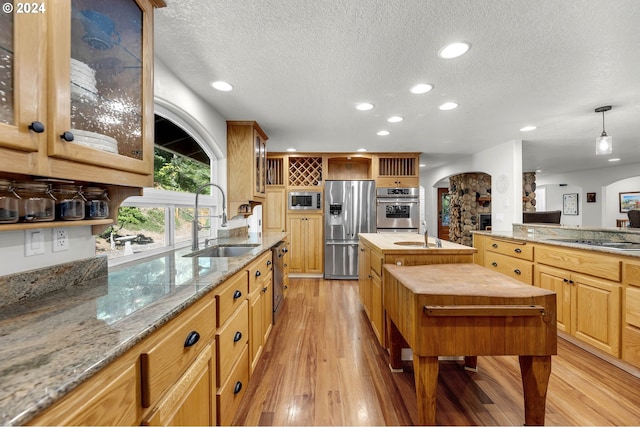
(275,209)
(81,105)
(307,243)
(260,306)
(246,155)
(191,401)
(397,170)
(511,257)
(631,313)
(588,307)
(370,286)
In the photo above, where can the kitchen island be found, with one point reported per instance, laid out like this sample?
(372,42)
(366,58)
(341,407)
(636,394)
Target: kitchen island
(594,271)
(377,249)
(56,343)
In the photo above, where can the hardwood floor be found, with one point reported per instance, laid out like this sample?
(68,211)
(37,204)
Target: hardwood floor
(323,366)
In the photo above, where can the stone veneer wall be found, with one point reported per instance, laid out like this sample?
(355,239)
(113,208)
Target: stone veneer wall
(529,192)
(464,206)
(470,195)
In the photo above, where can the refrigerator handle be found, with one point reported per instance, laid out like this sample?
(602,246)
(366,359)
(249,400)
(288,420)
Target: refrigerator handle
(351,207)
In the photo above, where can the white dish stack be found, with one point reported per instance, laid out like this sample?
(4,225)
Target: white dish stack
(95,140)
(83,82)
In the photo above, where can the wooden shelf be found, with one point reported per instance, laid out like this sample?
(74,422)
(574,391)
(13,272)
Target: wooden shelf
(54,224)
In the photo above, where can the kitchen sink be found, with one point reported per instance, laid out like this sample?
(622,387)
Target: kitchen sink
(420,244)
(223,251)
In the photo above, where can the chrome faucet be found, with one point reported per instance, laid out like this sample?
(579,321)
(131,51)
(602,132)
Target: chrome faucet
(426,234)
(196,225)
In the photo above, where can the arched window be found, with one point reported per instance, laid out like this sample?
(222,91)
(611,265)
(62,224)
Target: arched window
(161,219)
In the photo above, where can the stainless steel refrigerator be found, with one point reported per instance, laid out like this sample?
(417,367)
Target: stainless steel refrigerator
(350,208)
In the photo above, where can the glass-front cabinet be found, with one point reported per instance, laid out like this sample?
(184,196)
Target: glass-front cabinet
(261,165)
(76,86)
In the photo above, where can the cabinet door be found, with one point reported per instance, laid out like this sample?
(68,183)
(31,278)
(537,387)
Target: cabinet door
(274,211)
(255,324)
(376,306)
(597,313)
(364,278)
(191,401)
(557,280)
(22,73)
(298,242)
(314,243)
(101,84)
(267,308)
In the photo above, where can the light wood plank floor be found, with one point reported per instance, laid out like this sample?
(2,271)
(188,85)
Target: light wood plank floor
(323,366)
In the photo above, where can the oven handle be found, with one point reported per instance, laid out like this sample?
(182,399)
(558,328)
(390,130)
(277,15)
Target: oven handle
(397,201)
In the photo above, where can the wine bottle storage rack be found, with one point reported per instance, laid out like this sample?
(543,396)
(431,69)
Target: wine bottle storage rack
(397,166)
(305,171)
(275,171)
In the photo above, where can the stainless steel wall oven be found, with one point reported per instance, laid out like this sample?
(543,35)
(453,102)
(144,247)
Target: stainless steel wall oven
(398,209)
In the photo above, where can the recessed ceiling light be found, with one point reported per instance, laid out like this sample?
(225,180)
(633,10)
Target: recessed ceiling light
(422,165)
(364,106)
(383,132)
(454,50)
(538,170)
(614,160)
(291,150)
(222,86)
(362,150)
(421,88)
(395,119)
(527,128)
(448,106)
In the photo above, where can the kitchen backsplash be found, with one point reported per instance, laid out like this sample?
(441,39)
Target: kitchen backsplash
(35,283)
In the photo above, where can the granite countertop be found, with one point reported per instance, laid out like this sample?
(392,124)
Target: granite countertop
(573,237)
(394,243)
(51,344)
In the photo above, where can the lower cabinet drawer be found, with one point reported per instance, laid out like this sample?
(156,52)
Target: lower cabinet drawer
(231,338)
(231,392)
(230,296)
(181,341)
(516,268)
(515,249)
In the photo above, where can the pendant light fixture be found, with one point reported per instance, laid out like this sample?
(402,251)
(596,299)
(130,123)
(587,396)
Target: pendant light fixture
(604,143)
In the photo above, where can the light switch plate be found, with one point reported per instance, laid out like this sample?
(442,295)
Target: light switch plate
(34,242)
(60,240)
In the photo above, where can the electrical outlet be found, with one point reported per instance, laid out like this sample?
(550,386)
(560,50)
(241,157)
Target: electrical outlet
(60,240)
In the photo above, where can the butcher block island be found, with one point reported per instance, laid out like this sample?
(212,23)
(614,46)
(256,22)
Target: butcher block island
(469,310)
(377,249)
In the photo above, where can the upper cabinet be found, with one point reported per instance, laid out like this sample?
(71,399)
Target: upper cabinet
(246,154)
(397,170)
(78,102)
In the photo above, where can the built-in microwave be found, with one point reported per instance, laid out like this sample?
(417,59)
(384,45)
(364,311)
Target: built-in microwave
(305,200)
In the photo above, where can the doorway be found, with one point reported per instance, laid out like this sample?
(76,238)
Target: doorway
(443,213)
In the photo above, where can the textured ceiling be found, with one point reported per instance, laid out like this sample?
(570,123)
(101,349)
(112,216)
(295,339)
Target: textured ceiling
(300,66)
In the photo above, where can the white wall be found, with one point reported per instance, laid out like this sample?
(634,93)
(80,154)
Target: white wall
(553,200)
(12,250)
(604,211)
(503,159)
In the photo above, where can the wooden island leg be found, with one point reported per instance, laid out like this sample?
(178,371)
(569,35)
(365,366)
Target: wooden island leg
(395,346)
(426,375)
(535,371)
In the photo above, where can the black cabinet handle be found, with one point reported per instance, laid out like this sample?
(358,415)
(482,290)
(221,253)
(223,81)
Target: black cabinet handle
(237,337)
(37,127)
(67,136)
(286,287)
(285,250)
(237,388)
(192,338)
(495,264)
(258,273)
(518,250)
(237,294)
(518,272)
(264,289)
(495,245)
(269,262)
(565,280)
(571,282)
